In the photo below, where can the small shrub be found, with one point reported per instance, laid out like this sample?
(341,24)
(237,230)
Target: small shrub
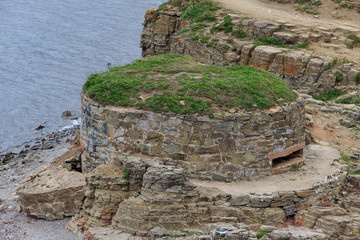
(357,78)
(210,44)
(185,30)
(344,156)
(350,100)
(198,26)
(261,233)
(193,36)
(225,48)
(355,41)
(339,76)
(294,167)
(302,45)
(356,172)
(204,39)
(126,175)
(269,41)
(228,24)
(239,34)
(334,61)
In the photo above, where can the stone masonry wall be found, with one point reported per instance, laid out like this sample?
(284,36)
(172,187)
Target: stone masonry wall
(229,146)
(163,34)
(155,195)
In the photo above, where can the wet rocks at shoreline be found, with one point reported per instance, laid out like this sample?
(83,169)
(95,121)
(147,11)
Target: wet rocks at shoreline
(27,150)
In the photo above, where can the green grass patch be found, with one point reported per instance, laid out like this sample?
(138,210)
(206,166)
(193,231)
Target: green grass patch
(357,78)
(329,95)
(174,3)
(198,26)
(199,11)
(174,83)
(205,39)
(268,41)
(355,41)
(302,45)
(126,175)
(261,233)
(239,34)
(225,26)
(349,100)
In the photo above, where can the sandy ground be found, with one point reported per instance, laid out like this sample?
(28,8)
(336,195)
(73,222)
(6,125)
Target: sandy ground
(318,165)
(15,225)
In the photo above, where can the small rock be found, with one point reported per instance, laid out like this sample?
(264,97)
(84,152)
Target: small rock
(66,113)
(347,123)
(41,126)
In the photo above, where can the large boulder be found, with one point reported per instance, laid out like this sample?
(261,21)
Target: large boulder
(52,194)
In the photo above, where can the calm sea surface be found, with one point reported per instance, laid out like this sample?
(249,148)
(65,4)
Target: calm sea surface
(47,50)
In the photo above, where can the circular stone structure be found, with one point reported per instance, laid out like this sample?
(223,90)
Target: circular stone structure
(193,116)
(230,146)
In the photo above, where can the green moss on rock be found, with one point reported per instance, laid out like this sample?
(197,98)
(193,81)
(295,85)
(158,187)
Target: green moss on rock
(174,83)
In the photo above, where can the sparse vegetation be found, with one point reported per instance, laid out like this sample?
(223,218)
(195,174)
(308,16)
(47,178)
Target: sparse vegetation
(308,6)
(302,45)
(355,41)
(261,233)
(178,84)
(126,175)
(294,167)
(339,76)
(268,41)
(239,34)
(349,100)
(357,78)
(328,95)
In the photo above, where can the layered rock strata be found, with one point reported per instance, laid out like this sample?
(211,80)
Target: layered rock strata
(53,194)
(138,194)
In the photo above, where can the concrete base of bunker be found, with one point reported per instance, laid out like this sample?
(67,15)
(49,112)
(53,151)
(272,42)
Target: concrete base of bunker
(289,159)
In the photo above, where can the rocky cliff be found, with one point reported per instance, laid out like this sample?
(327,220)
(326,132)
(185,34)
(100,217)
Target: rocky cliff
(230,39)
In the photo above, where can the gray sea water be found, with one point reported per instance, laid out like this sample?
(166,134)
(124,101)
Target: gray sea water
(47,50)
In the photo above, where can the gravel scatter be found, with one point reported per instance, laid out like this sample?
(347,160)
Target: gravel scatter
(13,223)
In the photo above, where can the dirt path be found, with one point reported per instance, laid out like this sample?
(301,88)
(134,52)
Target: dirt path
(328,17)
(318,165)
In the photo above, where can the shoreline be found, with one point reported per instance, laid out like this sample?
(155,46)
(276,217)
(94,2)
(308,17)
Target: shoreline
(13,171)
(37,143)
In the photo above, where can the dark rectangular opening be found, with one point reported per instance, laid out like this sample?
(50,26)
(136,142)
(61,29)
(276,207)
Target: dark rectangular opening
(289,160)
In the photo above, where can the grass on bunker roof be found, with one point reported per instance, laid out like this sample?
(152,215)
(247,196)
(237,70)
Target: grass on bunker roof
(174,83)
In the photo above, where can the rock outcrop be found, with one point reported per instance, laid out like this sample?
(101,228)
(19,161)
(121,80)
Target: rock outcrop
(164,33)
(55,191)
(53,194)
